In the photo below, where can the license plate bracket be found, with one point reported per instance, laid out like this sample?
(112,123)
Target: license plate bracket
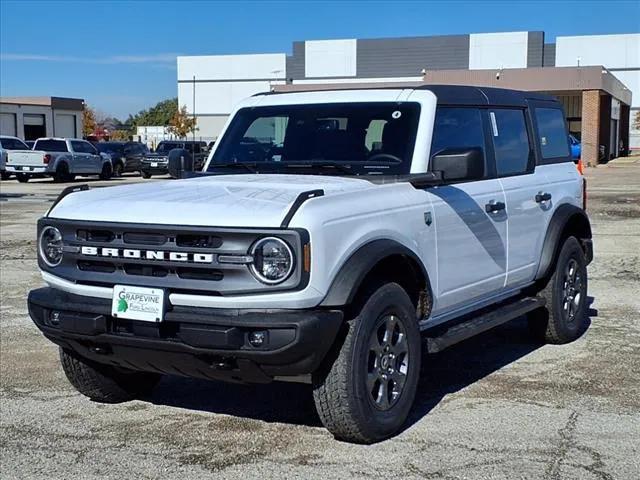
(138,303)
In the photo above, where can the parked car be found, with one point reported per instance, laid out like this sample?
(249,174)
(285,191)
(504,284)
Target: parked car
(8,143)
(576,150)
(125,156)
(157,163)
(576,147)
(60,158)
(328,252)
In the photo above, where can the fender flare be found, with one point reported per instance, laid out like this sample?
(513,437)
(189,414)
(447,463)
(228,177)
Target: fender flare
(564,216)
(351,275)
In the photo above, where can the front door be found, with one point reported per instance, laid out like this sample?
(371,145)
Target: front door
(470,217)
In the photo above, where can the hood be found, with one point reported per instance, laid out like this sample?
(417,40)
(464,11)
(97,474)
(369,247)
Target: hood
(247,200)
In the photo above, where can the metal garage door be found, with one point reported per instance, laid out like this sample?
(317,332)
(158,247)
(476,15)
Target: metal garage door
(8,124)
(65,125)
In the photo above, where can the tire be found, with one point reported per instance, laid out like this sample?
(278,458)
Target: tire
(107,171)
(22,178)
(62,174)
(103,383)
(344,390)
(5,175)
(564,317)
(145,174)
(118,169)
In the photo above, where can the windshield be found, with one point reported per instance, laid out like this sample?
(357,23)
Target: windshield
(105,147)
(345,138)
(12,144)
(166,147)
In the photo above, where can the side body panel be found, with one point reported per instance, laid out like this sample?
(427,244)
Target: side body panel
(471,243)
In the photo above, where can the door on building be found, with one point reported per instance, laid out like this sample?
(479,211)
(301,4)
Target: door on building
(8,124)
(34,126)
(65,125)
(613,140)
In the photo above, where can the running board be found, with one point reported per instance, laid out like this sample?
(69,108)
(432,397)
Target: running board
(481,323)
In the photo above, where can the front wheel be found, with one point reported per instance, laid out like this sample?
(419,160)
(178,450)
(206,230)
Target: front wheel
(5,175)
(107,171)
(564,317)
(22,178)
(145,174)
(104,383)
(365,395)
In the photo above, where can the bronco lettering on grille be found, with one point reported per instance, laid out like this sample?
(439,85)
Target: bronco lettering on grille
(147,254)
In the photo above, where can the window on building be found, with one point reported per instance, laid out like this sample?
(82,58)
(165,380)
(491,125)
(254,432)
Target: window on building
(554,142)
(510,141)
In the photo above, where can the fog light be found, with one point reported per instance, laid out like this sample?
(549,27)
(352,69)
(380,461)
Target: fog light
(258,339)
(54,318)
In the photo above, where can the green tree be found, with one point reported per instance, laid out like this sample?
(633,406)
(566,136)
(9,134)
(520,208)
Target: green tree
(160,114)
(182,124)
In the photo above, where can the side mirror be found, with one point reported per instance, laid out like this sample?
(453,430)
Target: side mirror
(180,162)
(459,164)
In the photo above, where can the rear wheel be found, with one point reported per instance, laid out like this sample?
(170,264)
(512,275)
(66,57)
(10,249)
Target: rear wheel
(118,169)
(62,174)
(107,171)
(104,383)
(366,393)
(564,317)
(22,178)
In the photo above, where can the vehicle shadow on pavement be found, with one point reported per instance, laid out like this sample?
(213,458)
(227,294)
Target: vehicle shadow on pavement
(442,373)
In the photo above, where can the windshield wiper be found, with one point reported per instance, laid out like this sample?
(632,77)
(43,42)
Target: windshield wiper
(344,168)
(251,167)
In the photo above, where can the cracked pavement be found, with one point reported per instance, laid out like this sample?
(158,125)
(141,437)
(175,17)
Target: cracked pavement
(497,406)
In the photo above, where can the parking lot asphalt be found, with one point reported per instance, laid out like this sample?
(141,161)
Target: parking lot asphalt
(498,406)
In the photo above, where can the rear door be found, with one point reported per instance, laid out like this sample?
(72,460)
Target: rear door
(471,241)
(527,205)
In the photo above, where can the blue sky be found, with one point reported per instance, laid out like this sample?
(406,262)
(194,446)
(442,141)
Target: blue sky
(120,55)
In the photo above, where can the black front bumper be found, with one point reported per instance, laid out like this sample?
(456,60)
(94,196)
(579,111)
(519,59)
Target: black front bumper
(190,341)
(161,169)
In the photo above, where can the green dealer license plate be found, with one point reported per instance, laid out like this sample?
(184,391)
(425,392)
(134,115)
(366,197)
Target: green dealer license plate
(138,303)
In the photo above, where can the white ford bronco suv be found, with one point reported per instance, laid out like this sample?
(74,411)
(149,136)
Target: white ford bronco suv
(332,237)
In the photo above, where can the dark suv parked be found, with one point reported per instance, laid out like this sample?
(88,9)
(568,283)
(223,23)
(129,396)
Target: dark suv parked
(125,156)
(157,163)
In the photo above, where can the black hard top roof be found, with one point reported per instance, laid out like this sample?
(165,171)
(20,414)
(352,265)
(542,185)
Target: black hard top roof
(452,94)
(471,95)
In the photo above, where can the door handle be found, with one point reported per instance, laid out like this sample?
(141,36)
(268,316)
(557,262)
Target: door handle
(494,206)
(543,197)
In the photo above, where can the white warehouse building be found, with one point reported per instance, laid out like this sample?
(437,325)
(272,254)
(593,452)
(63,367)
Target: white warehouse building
(221,81)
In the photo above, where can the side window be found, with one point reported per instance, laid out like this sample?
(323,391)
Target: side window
(77,146)
(510,141)
(373,139)
(552,133)
(269,130)
(456,128)
(89,148)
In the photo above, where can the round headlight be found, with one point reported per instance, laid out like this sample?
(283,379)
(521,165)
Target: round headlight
(272,260)
(50,246)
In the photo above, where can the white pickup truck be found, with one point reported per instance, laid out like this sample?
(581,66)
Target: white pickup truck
(59,158)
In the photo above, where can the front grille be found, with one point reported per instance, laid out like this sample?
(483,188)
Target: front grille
(176,258)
